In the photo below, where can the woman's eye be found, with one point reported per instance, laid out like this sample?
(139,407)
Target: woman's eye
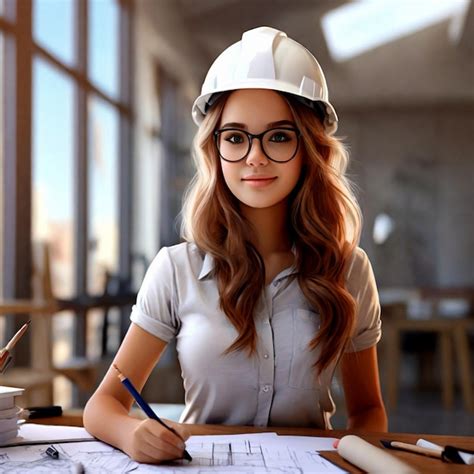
(235,138)
(280,137)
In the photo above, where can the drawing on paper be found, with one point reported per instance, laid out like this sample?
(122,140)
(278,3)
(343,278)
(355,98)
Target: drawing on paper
(237,455)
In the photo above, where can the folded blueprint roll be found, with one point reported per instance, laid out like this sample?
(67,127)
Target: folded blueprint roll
(370,458)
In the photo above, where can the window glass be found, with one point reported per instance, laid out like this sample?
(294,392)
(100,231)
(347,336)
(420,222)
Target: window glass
(8,9)
(2,111)
(52,169)
(53,27)
(52,196)
(103,221)
(103,193)
(103,45)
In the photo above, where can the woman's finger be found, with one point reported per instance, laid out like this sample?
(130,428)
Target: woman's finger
(158,453)
(165,440)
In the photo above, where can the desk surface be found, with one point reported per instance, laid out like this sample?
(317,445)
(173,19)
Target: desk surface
(422,463)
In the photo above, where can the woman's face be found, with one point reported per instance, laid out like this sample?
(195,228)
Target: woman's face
(257,181)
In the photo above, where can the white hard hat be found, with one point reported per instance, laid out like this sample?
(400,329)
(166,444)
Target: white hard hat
(266,58)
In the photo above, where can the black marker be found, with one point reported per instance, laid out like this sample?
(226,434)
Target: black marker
(52,452)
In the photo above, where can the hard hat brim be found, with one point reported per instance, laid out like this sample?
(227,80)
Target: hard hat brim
(201,105)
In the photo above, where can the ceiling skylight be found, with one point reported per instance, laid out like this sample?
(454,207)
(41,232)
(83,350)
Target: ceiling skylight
(361,25)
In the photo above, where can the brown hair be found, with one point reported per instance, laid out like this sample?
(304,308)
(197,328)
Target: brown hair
(324,222)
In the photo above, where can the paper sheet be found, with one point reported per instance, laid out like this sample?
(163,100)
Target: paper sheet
(238,454)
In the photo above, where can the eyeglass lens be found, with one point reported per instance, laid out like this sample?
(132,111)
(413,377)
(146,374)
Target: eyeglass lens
(279,144)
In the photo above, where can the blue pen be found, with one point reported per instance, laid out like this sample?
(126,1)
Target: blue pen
(145,407)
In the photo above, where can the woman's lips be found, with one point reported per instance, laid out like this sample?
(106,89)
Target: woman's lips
(259,182)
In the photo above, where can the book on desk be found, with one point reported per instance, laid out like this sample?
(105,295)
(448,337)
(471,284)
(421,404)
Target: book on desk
(9,412)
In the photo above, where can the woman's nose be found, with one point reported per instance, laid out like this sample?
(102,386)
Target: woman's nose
(256,156)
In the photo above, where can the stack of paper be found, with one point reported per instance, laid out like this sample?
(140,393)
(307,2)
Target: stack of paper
(9,413)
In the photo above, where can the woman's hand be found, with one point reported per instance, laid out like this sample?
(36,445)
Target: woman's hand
(153,443)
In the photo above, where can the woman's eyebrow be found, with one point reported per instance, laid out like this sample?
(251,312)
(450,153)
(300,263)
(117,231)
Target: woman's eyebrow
(269,125)
(234,125)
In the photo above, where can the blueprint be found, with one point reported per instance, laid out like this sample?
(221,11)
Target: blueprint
(237,454)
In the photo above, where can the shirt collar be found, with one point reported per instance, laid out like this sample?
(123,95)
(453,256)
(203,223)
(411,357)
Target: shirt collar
(208,266)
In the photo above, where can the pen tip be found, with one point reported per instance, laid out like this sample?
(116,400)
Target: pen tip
(28,322)
(386,443)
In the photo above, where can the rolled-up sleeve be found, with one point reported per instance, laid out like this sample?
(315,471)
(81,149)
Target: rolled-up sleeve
(155,309)
(362,286)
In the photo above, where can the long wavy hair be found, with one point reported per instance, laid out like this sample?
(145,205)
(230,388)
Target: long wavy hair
(324,225)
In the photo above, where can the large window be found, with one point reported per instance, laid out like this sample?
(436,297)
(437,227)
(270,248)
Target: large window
(72,117)
(103,223)
(53,170)
(2,85)
(6,38)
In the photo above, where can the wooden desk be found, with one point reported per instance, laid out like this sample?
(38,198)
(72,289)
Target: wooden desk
(423,463)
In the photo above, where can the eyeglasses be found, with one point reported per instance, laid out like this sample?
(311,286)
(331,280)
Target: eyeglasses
(278,144)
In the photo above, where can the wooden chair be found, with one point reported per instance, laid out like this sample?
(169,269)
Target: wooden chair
(452,334)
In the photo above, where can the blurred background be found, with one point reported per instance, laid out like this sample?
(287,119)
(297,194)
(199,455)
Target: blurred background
(95,133)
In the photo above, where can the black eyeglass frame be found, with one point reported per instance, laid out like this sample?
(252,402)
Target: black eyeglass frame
(259,136)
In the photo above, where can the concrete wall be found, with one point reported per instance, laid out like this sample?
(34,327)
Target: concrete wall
(155,48)
(417,165)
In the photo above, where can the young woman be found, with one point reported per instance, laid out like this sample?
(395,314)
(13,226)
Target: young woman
(269,292)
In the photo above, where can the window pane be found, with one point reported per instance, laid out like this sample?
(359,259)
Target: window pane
(8,9)
(103,45)
(53,27)
(103,193)
(52,168)
(53,193)
(2,111)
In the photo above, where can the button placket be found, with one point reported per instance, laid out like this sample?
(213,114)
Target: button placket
(266,351)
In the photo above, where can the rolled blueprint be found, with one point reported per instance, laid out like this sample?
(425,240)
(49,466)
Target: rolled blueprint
(369,458)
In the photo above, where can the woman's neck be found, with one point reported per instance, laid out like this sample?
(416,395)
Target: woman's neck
(271,229)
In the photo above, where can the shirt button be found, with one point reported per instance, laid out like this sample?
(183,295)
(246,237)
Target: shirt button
(265,356)
(275,284)
(266,388)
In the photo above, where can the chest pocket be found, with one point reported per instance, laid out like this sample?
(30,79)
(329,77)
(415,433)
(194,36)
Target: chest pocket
(302,374)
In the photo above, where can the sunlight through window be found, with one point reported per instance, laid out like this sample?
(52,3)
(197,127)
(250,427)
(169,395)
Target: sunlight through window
(357,27)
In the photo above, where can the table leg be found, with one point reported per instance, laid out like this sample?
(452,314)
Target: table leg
(392,364)
(447,368)
(463,355)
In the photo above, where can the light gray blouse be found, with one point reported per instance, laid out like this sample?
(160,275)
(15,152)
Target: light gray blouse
(179,298)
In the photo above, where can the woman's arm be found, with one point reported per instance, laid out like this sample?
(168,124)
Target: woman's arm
(106,413)
(360,379)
